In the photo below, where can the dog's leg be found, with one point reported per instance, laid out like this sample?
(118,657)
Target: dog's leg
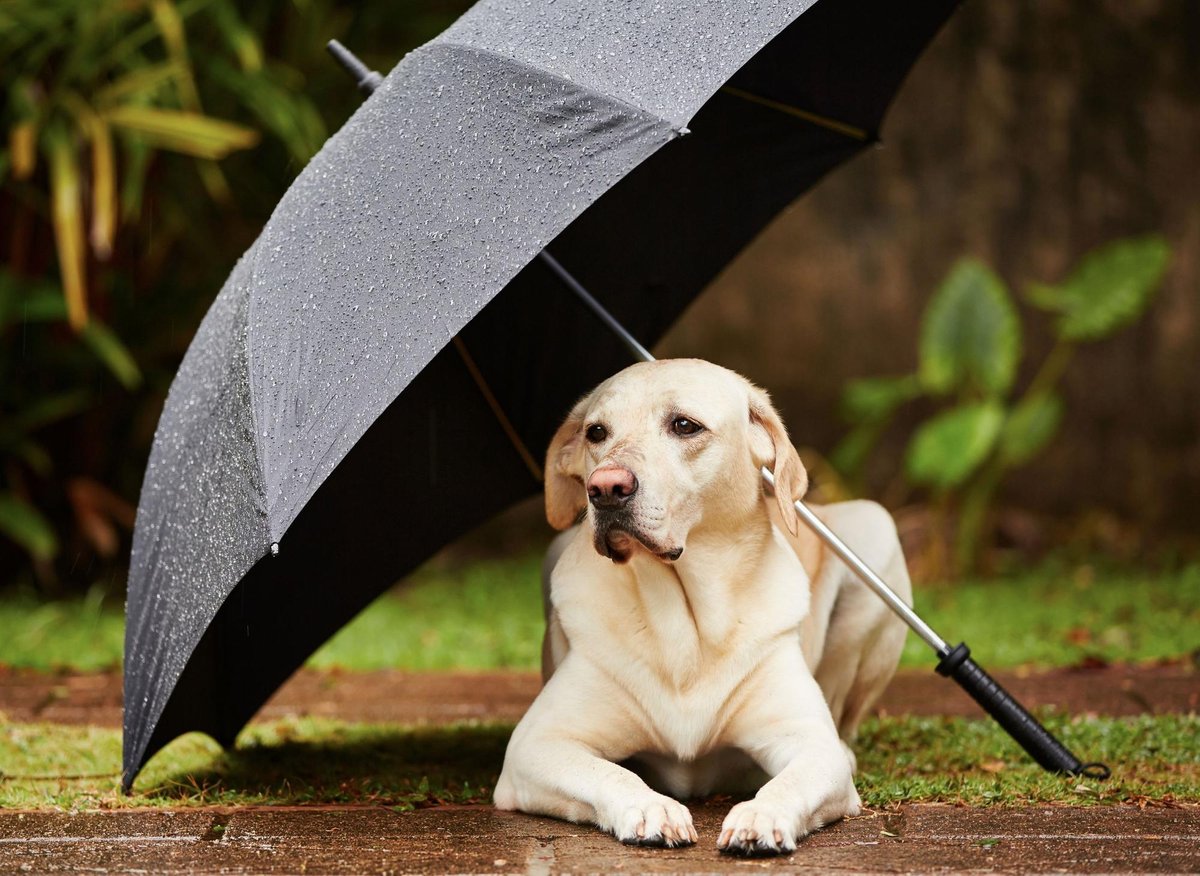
(550,772)
(795,742)
(565,780)
(864,639)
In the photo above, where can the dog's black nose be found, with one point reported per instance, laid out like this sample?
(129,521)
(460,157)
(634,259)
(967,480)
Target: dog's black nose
(611,487)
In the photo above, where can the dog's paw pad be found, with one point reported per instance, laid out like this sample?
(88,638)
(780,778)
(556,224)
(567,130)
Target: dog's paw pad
(753,828)
(660,822)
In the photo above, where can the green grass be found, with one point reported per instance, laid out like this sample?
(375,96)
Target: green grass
(83,634)
(484,616)
(1055,616)
(488,615)
(1155,760)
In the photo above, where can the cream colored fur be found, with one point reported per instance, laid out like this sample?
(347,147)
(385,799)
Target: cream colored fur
(746,663)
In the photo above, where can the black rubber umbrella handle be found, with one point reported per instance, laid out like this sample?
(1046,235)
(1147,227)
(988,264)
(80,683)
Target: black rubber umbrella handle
(1012,716)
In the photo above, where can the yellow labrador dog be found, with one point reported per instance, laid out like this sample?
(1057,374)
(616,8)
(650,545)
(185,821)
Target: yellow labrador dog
(698,638)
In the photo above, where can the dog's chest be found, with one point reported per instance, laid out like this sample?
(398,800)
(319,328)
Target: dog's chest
(685,655)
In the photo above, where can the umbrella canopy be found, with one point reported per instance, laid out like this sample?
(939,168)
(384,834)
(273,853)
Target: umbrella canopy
(385,364)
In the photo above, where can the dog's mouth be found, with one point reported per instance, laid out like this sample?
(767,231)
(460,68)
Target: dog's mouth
(617,540)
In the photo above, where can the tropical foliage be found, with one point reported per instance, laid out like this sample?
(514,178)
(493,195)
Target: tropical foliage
(969,356)
(142,144)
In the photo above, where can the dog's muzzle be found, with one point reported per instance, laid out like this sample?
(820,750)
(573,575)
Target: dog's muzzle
(615,535)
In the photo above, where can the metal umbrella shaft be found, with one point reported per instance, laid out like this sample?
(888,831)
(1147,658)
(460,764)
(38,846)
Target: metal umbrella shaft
(953,662)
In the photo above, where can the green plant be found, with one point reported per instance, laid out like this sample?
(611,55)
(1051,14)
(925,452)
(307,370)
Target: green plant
(25,411)
(106,136)
(969,355)
(92,77)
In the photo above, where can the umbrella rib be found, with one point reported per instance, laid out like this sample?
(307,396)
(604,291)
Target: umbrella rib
(497,410)
(815,118)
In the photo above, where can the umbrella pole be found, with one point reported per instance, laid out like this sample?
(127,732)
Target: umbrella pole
(954,662)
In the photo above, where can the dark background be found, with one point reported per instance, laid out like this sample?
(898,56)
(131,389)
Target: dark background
(1029,133)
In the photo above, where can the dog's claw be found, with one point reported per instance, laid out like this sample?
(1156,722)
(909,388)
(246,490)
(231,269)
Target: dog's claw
(754,829)
(661,823)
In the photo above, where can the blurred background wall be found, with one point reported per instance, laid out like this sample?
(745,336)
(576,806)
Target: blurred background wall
(1029,133)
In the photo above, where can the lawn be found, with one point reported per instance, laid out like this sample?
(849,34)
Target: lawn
(488,616)
(1155,761)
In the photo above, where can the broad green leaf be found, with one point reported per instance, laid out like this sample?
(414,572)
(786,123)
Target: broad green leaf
(875,398)
(1044,296)
(850,454)
(1110,288)
(970,334)
(109,350)
(189,133)
(1029,428)
(22,523)
(947,449)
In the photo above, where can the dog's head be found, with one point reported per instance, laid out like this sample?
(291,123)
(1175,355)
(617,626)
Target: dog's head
(662,448)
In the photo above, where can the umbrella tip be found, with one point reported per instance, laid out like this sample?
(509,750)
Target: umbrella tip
(274,548)
(368,80)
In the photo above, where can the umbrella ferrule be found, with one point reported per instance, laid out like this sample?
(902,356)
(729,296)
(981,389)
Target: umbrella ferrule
(368,80)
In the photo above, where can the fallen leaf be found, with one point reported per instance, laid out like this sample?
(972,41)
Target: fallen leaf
(1078,635)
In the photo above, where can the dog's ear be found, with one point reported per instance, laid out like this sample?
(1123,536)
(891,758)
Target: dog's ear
(565,494)
(770,446)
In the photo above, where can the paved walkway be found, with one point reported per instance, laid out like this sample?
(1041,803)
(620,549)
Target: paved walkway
(915,839)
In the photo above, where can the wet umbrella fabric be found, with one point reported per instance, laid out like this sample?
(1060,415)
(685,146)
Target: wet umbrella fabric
(360,393)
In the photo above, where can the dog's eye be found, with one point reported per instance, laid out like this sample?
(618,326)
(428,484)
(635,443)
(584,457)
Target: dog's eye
(596,433)
(684,426)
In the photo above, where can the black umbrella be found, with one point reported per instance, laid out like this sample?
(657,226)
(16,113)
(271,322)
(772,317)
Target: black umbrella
(383,367)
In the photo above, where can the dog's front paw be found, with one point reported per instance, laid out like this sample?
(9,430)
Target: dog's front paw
(656,821)
(757,828)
